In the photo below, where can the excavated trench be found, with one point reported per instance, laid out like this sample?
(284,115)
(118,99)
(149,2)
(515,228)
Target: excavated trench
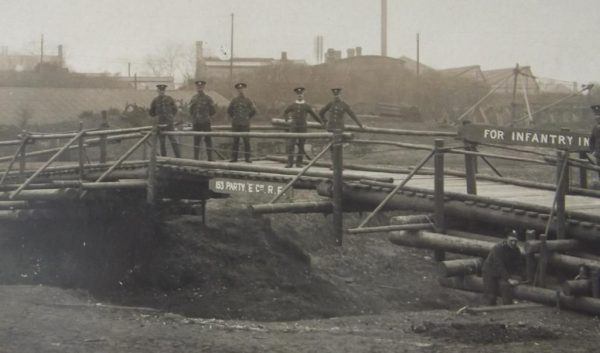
(236,267)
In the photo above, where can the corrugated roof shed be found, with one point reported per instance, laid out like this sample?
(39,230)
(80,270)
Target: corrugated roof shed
(54,105)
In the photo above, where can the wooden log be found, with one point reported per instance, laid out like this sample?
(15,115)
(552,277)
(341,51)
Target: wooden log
(562,186)
(123,184)
(349,166)
(43,194)
(16,215)
(579,287)
(390,228)
(530,262)
(386,131)
(295,207)
(439,213)
(411,219)
(499,156)
(337,180)
(442,242)
(530,293)
(560,245)
(571,263)
(253,168)
(10,205)
(595,279)
(487,309)
(486,215)
(459,267)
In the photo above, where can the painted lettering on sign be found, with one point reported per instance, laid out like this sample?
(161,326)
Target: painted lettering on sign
(574,141)
(246,187)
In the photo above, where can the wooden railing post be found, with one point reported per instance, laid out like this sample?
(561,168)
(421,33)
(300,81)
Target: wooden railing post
(151,188)
(440,222)
(337,156)
(583,179)
(102,143)
(81,155)
(562,186)
(530,258)
(23,156)
(470,169)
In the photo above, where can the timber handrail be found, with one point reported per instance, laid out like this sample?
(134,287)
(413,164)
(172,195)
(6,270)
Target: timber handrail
(396,189)
(277,135)
(124,156)
(376,130)
(14,159)
(43,167)
(304,169)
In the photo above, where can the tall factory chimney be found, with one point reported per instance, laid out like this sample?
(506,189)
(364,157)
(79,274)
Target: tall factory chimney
(319,49)
(383,27)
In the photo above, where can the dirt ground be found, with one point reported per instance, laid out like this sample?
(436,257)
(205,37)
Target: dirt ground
(125,281)
(244,284)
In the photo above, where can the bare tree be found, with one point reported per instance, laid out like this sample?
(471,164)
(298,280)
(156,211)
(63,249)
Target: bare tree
(172,59)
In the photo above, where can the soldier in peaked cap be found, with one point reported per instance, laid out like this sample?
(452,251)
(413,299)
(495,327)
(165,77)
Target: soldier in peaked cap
(202,108)
(336,109)
(595,135)
(240,111)
(164,107)
(296,114)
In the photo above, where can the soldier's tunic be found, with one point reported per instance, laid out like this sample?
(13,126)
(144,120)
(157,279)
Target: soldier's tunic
(202,108)
(164,108)
(297,113)
(241,110)
(333,114)
(497,267)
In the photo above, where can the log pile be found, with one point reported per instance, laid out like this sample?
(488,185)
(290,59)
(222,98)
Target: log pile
(563,257)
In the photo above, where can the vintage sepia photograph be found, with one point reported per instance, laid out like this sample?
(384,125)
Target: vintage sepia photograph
(257,176)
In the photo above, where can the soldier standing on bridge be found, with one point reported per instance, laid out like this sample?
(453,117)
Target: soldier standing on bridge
(241,110)
(297,112)
(503,260)
(202,107)
(595,136)
(164,108)
(337,109)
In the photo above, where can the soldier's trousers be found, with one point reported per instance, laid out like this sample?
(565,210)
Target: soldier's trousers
(291,144)
(494,286)
(198,139)
(236,142)
(172,139)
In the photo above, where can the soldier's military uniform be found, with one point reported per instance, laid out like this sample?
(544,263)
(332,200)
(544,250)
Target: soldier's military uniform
(336,110)
(502,261)
(164,108)
(296,114)
(241,110)
(202,107)
(595,136)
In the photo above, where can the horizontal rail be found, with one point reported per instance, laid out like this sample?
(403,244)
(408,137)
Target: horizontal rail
(498,156)
(278,135)
(393,143)
(375,130)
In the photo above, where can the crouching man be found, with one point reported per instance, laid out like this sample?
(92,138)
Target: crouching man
(503,261)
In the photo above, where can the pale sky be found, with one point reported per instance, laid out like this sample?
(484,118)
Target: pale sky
(557,38)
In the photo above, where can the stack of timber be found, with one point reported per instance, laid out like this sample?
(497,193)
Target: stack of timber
(562,258)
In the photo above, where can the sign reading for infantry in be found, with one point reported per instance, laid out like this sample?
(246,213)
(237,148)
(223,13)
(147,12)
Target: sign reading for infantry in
(566,140)
(237,186)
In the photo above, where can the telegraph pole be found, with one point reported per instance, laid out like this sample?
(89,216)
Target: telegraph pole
(41,52)
(231,56)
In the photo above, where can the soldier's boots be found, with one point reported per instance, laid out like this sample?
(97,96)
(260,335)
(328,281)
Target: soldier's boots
(299,161)
(290,162)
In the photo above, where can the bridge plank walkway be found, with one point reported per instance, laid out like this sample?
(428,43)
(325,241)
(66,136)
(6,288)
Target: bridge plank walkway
(506,192)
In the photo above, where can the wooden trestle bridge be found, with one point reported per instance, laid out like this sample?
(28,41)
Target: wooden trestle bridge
(562,219)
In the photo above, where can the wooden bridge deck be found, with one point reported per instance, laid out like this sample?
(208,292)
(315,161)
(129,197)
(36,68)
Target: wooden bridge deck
(500,191)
